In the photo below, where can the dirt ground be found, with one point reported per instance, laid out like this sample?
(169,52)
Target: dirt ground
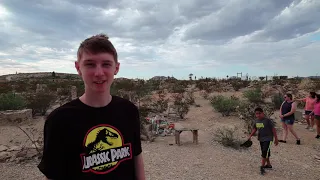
(207,160)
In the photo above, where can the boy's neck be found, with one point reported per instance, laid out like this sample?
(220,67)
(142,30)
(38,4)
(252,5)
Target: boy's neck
(96,99)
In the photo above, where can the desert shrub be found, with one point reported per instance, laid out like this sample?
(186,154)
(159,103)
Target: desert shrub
(64,92)
(11,101)
(236,85)
(190,98)
(254,96)
(180,105)
(153,84)
(246,113)
(5,88)
(277,100)
(224,105)
(123,84)
(144,124)
(277,81)
(202,85)
(80,88)
(177,88)
(204,94)
(226,137)
(139,91)
(161,104)
(20,86)
(40,102)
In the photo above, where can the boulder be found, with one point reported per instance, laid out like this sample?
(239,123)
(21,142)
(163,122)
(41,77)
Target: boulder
(15,115)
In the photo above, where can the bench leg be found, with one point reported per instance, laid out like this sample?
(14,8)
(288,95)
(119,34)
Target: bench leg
(177,137)
(195,136)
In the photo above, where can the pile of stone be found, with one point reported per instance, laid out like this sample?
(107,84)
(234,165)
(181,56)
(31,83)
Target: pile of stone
(18,154)
(16,116)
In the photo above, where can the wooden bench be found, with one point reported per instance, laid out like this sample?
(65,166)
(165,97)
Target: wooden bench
(179,129)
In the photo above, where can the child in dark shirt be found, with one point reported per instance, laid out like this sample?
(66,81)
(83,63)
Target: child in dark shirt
(266,134)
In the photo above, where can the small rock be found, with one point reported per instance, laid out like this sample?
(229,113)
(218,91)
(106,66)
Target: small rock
(34,146)
(21,153)
(4,156)
(14,148)
(316,157)
(3,148)
(306,166)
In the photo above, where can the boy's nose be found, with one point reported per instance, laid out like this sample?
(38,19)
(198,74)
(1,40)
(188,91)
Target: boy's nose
(99,71)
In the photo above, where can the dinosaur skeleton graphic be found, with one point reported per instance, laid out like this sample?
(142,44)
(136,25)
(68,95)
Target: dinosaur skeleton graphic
(103,135)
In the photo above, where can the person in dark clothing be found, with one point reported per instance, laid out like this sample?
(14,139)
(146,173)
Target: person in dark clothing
(97,135)
(267,133)
(287,110)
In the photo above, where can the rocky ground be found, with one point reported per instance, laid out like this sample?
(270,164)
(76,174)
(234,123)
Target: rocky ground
(207,160)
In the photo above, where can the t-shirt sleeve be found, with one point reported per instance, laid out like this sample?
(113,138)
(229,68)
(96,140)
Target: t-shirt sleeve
(137,149)
(52,164)
(271,123)
(254,124)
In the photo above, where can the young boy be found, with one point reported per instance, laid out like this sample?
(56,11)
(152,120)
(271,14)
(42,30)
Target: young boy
(266,134)
(96,136)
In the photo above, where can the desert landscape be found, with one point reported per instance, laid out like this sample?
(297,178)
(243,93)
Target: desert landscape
(221,110)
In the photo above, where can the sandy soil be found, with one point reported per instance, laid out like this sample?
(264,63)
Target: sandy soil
(207,160)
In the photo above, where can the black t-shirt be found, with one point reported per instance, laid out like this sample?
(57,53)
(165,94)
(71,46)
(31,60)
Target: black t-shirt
(83,142)
(264,127)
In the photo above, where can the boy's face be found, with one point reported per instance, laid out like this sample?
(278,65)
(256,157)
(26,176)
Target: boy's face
(97,71)
(259,115)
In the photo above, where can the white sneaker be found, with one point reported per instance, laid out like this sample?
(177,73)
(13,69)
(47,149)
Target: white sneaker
(311,129)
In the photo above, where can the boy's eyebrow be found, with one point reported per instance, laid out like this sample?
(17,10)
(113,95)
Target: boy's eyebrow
(87,60)
(90,60)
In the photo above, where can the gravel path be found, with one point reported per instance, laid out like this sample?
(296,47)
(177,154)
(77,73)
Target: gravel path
(209,160)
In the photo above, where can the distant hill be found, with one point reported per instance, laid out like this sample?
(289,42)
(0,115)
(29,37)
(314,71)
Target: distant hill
(21,76)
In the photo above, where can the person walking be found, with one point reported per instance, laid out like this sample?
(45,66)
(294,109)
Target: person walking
(287,110)
(316,113)
(267,134)
(310,101)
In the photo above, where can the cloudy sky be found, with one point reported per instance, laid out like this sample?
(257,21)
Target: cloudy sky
(210,38)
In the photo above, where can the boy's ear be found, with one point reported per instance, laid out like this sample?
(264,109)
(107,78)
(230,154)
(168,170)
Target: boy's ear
(77,66)
(117,69)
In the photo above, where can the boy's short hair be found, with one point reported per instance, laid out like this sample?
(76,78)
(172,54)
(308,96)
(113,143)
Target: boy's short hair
(258,109)
(97,44)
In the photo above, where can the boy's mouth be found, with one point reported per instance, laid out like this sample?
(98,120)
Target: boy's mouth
(99,82)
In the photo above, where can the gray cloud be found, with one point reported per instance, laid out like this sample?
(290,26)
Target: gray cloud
(237,18)
(153,34)
(298,19)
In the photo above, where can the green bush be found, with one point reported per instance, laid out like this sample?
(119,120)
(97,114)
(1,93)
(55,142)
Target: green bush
(11,101)
(277,100)
(238,84)
(161,103)
(227,137)
(180,105)
(5,88)
(40,102)
(254,96)
(224,105)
